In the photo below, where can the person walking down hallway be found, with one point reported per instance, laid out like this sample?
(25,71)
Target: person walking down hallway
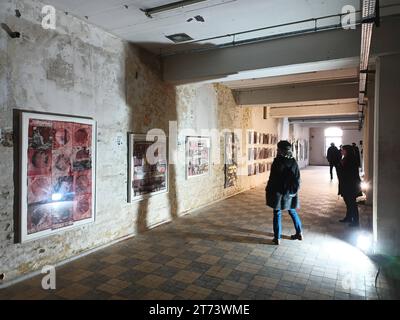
(282,190)
(349,185)
(333,156)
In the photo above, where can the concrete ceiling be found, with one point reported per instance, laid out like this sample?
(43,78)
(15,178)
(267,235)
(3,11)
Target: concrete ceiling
(124,18)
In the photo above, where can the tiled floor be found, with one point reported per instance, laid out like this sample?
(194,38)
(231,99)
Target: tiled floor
(225,252)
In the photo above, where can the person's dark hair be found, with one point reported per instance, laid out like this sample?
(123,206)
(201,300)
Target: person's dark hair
(285,148)
(350,155)
(284,145)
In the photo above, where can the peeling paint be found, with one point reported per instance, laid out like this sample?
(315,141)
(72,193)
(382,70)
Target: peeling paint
(61,72)
(81,70)
(7,138)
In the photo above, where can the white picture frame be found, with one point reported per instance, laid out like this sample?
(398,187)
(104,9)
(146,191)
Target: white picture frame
(44,206)
(200,160)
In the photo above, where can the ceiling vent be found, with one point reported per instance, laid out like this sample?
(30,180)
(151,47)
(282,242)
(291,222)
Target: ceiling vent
(179,37)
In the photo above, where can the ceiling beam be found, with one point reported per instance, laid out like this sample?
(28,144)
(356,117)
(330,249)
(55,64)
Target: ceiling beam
(330,46)
(297,93)
(316,76)
(314,111)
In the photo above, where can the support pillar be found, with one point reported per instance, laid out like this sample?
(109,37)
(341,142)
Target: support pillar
(368,148)
(386,175)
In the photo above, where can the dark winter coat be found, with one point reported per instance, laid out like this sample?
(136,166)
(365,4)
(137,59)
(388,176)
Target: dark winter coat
(349,178)
(357,156)
(333,155)
(276,197)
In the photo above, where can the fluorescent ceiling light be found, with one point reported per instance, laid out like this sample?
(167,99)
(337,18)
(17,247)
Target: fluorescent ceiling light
(369,17)
(170,6)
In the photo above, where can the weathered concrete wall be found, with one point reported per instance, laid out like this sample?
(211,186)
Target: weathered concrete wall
(81,70)
(78,70)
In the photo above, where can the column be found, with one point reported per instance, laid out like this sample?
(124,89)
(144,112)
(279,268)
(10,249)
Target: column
(386,176)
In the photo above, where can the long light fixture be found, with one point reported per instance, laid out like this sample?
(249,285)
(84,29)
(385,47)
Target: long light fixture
(369,17)
(170,6)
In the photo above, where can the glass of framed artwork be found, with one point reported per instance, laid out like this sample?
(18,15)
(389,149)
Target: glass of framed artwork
(197,156)
(148,166)
(57,173)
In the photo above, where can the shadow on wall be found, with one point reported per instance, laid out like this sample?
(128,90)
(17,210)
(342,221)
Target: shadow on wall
(152,104)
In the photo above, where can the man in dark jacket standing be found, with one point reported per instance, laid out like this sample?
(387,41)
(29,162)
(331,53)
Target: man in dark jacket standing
(282,190)
(333,156)
(349,185)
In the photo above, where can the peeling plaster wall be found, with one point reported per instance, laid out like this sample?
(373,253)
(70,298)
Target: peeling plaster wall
(81,70)
(75,70)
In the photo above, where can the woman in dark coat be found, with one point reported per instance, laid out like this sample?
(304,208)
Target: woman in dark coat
(349,184)
(282,190)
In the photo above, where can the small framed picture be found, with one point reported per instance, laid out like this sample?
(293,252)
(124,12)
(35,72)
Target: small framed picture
(148,166)
(197,156)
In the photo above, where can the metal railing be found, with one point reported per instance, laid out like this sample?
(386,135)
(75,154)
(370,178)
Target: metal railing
(312,25)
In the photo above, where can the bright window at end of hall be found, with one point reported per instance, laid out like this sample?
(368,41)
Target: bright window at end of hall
(333,135)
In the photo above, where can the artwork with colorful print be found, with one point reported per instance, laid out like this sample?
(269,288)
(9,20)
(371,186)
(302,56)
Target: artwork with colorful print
(57,173)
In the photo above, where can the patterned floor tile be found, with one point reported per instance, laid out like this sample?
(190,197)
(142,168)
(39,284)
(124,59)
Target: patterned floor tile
(224,251)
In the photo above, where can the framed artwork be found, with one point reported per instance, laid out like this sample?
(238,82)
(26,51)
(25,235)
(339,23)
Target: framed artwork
(305,149)
(197,156)
(148,166)
(255,137)
(250,137)
(57,165)
(250,170)
(250,152)
(230,160)
(301,150)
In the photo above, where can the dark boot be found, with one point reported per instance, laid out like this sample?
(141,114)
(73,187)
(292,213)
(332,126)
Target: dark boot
(297,236)
(276,241)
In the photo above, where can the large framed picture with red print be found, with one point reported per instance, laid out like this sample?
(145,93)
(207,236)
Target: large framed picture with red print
(57,173)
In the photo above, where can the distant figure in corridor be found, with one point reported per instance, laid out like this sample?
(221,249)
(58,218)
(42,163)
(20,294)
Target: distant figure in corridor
(282,190)
(349,185)
(357,155)
(333,156)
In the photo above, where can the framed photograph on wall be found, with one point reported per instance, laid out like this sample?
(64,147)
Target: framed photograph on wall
(249,137)
(250,170)
(306,149)
(197,156)
(57,173)
(148,166)
(230,165)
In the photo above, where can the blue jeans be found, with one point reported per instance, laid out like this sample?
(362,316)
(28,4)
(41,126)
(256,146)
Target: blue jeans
(278,224)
